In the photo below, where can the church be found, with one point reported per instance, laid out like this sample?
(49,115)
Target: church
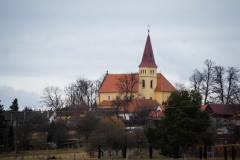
(151,85)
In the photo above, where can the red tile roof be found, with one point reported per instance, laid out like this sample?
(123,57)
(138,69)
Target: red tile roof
(155,115)
(132,106)
(106,103)
(163,84)
(148,57)
(220,109)
(203,107)
(109,84)
(81,107)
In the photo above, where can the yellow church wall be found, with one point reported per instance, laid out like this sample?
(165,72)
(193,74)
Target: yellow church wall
(148,74)
(161,96)
(111,96)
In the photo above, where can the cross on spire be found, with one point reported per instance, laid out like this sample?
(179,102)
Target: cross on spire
(148,28)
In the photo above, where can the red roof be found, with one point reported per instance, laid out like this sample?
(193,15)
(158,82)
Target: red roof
(81,107)
(109,84)
(135,102)
(106,103)
(203,107)
(220,109)
(155,115)
(163,84)
(148,57)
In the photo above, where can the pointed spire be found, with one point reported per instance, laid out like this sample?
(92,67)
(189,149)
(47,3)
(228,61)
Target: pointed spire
(148,29)
(148,57)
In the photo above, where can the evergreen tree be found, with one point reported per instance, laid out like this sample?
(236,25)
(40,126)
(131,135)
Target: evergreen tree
(27,109)
(14,106)
(183,126)
(2,124)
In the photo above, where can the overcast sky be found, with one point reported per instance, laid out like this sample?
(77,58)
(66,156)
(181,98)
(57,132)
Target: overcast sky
(53,42)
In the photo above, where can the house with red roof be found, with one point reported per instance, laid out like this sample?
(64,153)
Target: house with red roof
(150,85)
(224,116)
(221,110)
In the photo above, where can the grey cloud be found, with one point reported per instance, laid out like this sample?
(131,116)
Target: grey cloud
(7,94)
(68,39)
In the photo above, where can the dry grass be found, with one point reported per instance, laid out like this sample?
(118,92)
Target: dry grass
(81,154)
(68,153)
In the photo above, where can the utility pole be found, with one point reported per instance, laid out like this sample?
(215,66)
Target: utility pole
(16,114)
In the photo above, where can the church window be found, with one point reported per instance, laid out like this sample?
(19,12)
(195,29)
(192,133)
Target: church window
(151,84)
(143,83)
(109,98)
(145,71)
(151,98)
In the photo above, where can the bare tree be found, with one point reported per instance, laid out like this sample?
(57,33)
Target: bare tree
(110,134)
(208,79)
(232,86)
(117,103)
(83,91)
(236,97)
(219,84)
(97,84)
(70,93)
(125,85)
(196,80)
(180,86)
(141,139)
(52,97)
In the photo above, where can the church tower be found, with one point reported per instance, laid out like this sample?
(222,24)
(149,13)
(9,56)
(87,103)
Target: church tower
(147,72)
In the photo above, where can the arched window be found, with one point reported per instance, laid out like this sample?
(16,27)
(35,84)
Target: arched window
(143,83)
(151,83)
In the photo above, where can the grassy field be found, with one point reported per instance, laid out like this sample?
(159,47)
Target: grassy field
(66,154)
(81,154)
(59,154)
